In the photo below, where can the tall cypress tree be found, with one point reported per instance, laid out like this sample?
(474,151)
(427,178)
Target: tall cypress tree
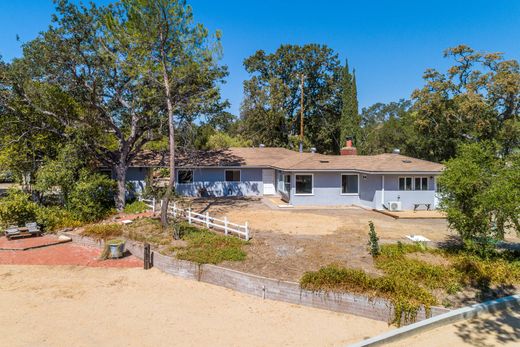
(350,119)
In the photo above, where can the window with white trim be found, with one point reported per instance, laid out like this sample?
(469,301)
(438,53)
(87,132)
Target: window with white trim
(349,184)
(232,175)
(304,184)
(185,176)
(405,183)
(421,183)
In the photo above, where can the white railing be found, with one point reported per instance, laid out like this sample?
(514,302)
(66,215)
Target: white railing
(209,222)
(149,202)
(205,219)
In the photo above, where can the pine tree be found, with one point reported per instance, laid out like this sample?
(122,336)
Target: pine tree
(350,118)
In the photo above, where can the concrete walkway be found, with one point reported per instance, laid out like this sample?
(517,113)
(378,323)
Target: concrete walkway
(501,328)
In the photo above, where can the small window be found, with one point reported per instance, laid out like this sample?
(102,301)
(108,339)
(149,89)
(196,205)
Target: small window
(421,183)
(405,183)
(287,183)
(303,184)
(232,175)
(185,176)
(349,184)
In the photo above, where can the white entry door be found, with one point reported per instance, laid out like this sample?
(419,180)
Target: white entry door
(268,178)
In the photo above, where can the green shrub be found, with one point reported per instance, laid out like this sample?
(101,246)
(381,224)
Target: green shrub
(417,271)
(373,240)
(17,208)
(53,218)
(57,177)
(206,247)
(400,249)
(136,207)
(92,198)
(103,231)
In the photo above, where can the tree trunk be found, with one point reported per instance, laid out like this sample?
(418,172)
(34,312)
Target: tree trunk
(171,135)
(171,181)
(120,197)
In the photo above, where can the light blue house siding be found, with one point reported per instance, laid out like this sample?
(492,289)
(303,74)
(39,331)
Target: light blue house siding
(327,191)
(214,181)
(136,178)
(326,187)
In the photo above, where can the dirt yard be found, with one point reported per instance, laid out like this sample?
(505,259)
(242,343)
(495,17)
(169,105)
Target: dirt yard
(83,306)
(288,242)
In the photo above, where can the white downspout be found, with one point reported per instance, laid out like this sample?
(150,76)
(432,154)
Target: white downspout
(382,190)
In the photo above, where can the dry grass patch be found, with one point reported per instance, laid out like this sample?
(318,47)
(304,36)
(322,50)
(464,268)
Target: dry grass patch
(148,230)
(413,276)
(103,231)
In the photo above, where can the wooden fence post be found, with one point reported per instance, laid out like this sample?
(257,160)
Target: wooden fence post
(207,220)
(225,226)
(247,232)
(189,215)
(146,256)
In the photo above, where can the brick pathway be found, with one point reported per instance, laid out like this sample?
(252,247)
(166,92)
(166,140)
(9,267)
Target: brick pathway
(61,254)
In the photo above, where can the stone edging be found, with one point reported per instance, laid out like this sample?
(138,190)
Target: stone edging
(440,320)
(267,288)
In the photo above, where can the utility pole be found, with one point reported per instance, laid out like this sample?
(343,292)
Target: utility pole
(301,113)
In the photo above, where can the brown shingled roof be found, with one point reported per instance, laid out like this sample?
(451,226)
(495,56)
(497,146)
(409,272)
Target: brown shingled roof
(285,159)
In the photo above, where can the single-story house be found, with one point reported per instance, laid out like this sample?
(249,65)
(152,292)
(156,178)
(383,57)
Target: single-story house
(383,181)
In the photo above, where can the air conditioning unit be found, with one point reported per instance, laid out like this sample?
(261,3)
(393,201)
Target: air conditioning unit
(394,205)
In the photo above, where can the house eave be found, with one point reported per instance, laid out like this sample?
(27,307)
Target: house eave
(394,172)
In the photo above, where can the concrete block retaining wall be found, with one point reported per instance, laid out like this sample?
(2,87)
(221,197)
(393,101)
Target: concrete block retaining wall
(268,288)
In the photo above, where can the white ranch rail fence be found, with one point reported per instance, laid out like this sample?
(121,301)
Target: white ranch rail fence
(205,219)
(149,202)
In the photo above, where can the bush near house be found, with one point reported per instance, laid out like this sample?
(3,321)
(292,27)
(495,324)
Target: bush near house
(92,198)
(17,208)
(135,207)
(481,195)
(54,217)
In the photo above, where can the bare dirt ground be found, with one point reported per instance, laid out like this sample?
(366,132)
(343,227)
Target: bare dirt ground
(81,306)
(501,328)
(288,242)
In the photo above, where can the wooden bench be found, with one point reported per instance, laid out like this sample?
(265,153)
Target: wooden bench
(416,206)
(22,232)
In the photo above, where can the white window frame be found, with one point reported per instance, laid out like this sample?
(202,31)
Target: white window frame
(406,190)
(239,174)
(179,171)
(341,183)
(421,178)
(312,185)
(414,188)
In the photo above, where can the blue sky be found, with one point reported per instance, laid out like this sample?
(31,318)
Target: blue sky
(390,43)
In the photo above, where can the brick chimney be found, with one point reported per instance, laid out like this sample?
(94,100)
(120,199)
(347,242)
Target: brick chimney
(348,149)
